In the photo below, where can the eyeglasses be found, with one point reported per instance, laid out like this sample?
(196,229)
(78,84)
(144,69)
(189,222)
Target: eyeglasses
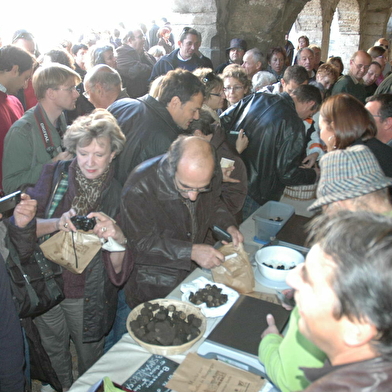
(187,190)
(218,95)
(361,66)
(234,88)
(69,89)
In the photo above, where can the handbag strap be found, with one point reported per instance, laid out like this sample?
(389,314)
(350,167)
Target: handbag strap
(48,273)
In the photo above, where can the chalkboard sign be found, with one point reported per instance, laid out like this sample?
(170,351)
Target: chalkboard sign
(152,375)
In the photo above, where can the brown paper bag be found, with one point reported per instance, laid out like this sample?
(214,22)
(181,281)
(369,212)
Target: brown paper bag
(236,272)
(198,374)
(73,251)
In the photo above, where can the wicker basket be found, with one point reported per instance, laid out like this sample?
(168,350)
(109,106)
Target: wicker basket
(187,308)
(301,192)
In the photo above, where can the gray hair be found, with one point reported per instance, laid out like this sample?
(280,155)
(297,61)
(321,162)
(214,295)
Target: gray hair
(104,75)
(100,123)
(261,79)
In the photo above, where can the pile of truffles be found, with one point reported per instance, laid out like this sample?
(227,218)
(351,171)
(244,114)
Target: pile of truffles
(165,326)
(211,295)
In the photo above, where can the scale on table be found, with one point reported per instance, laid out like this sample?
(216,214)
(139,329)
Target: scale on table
(235,340)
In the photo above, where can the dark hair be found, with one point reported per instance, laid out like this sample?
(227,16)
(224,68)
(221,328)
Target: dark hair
(297,73)
(350,118)
(188,30)
(179,83)
(61,56)
(12,55)
(205,123)
(75,48)
(385,100)
(22,34)
(96,54)
(277,49)
(360,244)
(306,92)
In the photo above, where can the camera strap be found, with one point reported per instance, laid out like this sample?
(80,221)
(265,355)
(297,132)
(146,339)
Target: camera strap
(43,126)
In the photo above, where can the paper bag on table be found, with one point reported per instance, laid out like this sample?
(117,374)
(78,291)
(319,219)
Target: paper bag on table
(236,272)
(73,251)
(199,374)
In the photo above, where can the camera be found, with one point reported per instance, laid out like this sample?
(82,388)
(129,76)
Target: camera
(8,203)
(83,223)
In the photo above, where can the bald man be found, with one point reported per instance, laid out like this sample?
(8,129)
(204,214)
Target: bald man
(168,205)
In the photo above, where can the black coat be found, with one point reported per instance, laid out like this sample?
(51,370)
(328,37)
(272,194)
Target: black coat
(277,144)
(135,70)
(149,129)
(159,228)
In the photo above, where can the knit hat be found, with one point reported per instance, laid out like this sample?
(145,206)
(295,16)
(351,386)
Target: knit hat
(237,43)
(348,173)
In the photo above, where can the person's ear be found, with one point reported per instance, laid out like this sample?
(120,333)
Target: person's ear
(198,133)
(15,70)
(358,333)
(175,102)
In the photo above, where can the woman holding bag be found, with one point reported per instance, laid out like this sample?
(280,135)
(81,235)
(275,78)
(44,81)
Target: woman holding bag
(84,186)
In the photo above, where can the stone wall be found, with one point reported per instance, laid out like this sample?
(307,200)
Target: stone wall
(263,23)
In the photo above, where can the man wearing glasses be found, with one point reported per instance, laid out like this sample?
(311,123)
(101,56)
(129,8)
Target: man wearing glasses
(168,204)
(352,83)
(134,64)
(36,138)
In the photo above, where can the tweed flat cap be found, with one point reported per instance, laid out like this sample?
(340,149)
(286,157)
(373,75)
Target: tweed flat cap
(348,173)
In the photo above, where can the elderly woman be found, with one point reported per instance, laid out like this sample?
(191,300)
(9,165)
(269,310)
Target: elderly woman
(276,59)
(84,186)
(236,84)
(102,55)
(214,101)
(344,122)
(262,79)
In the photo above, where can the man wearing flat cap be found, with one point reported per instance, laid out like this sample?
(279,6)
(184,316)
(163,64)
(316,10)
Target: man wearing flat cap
(235,52)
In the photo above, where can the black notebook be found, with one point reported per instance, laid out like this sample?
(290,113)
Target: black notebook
(242,326)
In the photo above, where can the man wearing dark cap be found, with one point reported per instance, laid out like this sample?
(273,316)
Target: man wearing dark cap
(236,52)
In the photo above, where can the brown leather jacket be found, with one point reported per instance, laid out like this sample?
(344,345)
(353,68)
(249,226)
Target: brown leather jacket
(373,375)
(158,226)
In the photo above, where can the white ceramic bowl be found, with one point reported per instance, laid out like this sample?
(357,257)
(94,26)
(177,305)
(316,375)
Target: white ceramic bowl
(277,255)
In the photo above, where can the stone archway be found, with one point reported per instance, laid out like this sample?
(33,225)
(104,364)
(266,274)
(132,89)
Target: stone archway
(310,23)
(345,31)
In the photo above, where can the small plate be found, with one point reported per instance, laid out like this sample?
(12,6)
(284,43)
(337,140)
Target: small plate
(270,283)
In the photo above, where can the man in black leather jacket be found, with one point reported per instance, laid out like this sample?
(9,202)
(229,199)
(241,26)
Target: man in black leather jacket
(151,125)
(274,126)
(168,205)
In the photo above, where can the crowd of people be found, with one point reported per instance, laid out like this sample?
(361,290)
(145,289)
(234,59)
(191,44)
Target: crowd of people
(147,138)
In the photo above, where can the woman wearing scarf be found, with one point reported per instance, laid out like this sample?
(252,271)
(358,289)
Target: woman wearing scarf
(84,186)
